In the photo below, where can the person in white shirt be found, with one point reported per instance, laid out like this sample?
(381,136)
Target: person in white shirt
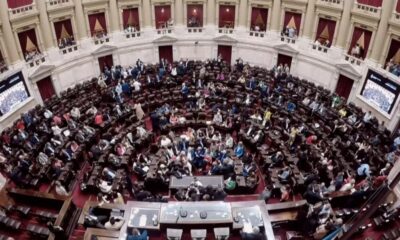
(367,117)
(317,42)
(104,187)
(218,117)
(75,113)
(165,142)
(229,141)
(56,130)
(115,223)
(60,189)
(48,114)
(136,85)
(174,72)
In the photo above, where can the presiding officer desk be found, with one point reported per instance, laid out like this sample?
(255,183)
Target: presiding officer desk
(189,215)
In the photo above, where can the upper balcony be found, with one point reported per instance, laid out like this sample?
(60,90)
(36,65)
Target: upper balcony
(367,11)
(23,12)
(331,4)
(395,18)
(54,5)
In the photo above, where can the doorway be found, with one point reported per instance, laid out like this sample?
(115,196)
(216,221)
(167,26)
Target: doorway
(106,62)
(46,88)
(166,52)
(225,52)
(284,59)
(344,86)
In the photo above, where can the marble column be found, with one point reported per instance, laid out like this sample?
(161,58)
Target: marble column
(80,19)
(146,13)
(243,13)
(45,27)
(378,53)
(276,15)
(8,35)
(211,12)
(114,16)
(178,12)
(344,24)
(309,19)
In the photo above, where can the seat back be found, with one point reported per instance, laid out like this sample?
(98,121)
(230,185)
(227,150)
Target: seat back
(174,234)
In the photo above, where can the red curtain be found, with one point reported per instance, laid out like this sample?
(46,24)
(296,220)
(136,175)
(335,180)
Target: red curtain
(165,52)
(226,16)
(195,11)
(226,53)
(329,25)
(296,17)
(284,59)
(106,61)
(18,3)
(358,32)
(46,88)
(343,87)
(259,17)
(131,18)
(101,19)
(398,7)
(394,48)
(163,14)
(23,40)
(374,3)
(58,26)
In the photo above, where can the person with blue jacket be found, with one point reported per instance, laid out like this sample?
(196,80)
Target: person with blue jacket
(239,150)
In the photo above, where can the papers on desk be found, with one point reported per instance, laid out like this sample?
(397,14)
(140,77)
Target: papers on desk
(142,220)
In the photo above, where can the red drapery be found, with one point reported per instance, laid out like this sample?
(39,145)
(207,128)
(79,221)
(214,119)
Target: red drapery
(259,17)
(326,29)
(165,52)
(18,3)
(284,59)
(343,87)
(195,14)
(358,36)
(374,3)
(97,23)
(66,24)
(398,7)
(393,49)
(131,18)
(163,14)
(106,61)
(226,16)
(225,52)
(291,17)
(28,41)
(46,88)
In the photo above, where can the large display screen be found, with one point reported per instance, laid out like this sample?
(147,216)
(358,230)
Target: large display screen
(13,91)
(380,91)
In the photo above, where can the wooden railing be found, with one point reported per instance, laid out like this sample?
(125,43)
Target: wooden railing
(195,29)
(332,1)
(69,49)
(167,30)
(368,8)
(319,48)
(260,34)
(226,30)
(288,39)
(101,40)
(36,60)
(57,2)
(353,60)
(134,34)
(22,10)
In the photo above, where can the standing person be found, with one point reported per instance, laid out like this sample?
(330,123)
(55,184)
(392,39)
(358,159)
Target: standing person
(139,110)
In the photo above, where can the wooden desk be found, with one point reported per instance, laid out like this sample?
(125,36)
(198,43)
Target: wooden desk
(101,234)
(184,182)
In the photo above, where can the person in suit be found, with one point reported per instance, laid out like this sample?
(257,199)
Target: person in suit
(136,235)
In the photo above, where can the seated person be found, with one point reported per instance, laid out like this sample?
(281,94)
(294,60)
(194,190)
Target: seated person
(104,186)
(230,183)
(239,150)
(250,233)
(136,235)
(115,223)
(284,174)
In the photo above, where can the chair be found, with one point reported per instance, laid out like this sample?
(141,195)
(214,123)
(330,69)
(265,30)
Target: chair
(174,234)
(221,233)
(198,234)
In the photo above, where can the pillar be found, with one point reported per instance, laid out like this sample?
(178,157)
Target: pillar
(8,35)
(309,19)
(243,13)
(378,53)
(344,24)
(276,15)
(147,12)
(114,16)
(80,19)
(211,12)
(45,27)
(178,12)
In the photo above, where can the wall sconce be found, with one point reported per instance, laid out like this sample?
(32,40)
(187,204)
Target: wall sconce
(227,10)
(162,10)
(195,11)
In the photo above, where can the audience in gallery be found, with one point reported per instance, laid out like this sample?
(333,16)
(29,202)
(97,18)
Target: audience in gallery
(66,42)
(290,32)
(322,42)
(130,29)
(357,51)
(33,55)
(312,136)
(393,67)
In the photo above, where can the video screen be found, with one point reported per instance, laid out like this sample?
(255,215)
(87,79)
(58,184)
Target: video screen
(13,91)
(380,91)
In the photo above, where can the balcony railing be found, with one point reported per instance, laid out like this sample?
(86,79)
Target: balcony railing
(101,40)
(166,30)
(57,4)
(338,2)
(226,30)
(288,39)
(353,60)
(134,34)
(319,48)
(260,34)
(69,49)
(396,16)
(22,11)
(36,60)
(3,67)
(368,9)
(195,29)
